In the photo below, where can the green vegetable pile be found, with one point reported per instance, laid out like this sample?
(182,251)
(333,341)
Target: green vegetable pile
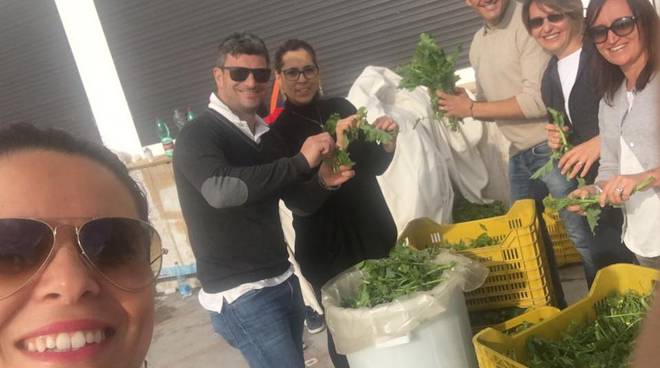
(604,343)
(590,204)
(363,131)
(558,120)
(404,272)
(483,240)
(433,68)
(463,210)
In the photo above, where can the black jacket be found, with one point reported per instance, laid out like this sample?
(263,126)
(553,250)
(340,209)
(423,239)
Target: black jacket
(229,188)
(583,100)
(354,223)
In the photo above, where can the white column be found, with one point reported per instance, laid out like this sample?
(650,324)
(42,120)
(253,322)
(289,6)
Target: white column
(99,75)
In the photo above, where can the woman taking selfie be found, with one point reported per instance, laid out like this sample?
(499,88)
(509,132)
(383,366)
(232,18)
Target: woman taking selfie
(77,257)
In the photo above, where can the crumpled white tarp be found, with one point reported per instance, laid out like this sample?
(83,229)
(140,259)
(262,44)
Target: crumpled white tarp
(429,156)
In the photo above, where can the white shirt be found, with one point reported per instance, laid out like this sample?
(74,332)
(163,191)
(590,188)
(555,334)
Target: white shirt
(213,302)
(642,211)
(567,68)
(259,129)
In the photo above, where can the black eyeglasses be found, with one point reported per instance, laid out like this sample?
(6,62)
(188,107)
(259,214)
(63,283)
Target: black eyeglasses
(620,27)
(126,252)
(552,18)
(240,74)
(293,74)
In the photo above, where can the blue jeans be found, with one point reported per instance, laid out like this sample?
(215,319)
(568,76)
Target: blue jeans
(266,325)
(521,166)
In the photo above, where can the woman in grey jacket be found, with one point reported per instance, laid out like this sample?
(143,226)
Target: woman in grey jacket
(568,86)
(625,33)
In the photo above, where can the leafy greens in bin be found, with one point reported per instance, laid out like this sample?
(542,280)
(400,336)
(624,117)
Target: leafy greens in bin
(431,67)
(404,272)
(604,343)
(464,210)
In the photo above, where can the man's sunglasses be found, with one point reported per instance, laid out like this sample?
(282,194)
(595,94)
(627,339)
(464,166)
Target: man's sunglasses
(126,252)
(620,27)
(293,74)
(537,22)
(240,74)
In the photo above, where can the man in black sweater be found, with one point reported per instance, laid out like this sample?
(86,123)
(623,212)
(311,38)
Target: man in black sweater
(230,173)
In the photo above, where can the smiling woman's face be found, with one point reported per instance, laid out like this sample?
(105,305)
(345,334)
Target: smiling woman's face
(68,300)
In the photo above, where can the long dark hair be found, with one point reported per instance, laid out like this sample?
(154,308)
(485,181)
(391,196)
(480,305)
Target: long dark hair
(24,137)
(610,76)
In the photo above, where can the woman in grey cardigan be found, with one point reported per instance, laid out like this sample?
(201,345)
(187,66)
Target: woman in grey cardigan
(625,33)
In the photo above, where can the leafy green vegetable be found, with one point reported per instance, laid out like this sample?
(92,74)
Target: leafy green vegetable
(404,272)
(604,343)
(463,210)
(558,120)
(433,68)
(363,130)
(590,204)
(483,240)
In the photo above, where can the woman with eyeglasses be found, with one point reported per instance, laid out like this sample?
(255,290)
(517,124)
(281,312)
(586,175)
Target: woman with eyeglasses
(568,86)
(77,257)
(354,223)
(625,33)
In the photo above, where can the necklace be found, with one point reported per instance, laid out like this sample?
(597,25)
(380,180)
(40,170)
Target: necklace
(318,122)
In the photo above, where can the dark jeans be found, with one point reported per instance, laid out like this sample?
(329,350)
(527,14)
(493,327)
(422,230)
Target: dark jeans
(521,167)
(266,325)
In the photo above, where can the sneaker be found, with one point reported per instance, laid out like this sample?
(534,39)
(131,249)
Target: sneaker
(313,321)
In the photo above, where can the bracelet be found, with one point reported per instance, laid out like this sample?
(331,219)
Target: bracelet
(324,185)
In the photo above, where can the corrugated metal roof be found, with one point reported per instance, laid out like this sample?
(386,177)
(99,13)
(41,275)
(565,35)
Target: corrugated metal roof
(39,81)
(164,50)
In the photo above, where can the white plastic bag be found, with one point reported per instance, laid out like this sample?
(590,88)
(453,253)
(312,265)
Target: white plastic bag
(355,329)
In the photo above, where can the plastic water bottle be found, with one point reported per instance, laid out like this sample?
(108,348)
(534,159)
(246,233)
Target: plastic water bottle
(190,116)
(182,284)
(165,137)
(179,119)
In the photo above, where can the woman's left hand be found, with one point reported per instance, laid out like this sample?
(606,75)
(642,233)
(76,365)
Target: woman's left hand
(619,188)
(580,158)
(387,124)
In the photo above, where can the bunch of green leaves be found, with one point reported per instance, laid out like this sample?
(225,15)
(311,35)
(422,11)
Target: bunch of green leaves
(590,204)
(604,343)
(363,131)
(433,68)
(557,118)
(404,272)
(464,210)
(483,240)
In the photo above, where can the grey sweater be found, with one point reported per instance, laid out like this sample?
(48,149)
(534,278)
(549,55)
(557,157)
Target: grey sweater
(640,129)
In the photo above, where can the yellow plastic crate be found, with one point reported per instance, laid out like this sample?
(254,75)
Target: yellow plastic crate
(518,277)
(565,252)
(497,350)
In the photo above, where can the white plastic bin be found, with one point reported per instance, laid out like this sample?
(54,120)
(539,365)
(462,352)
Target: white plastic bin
(444,342)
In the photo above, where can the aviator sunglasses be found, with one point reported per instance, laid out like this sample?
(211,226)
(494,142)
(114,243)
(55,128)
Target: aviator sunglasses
(126,252)
(621,27)
(240,74)
(552,18)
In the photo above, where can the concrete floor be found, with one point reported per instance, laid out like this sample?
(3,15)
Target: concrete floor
(183,337)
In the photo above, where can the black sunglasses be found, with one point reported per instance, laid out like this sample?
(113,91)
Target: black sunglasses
(620,27)
(293,74)
(552,18)
(240,74)
(126,252)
